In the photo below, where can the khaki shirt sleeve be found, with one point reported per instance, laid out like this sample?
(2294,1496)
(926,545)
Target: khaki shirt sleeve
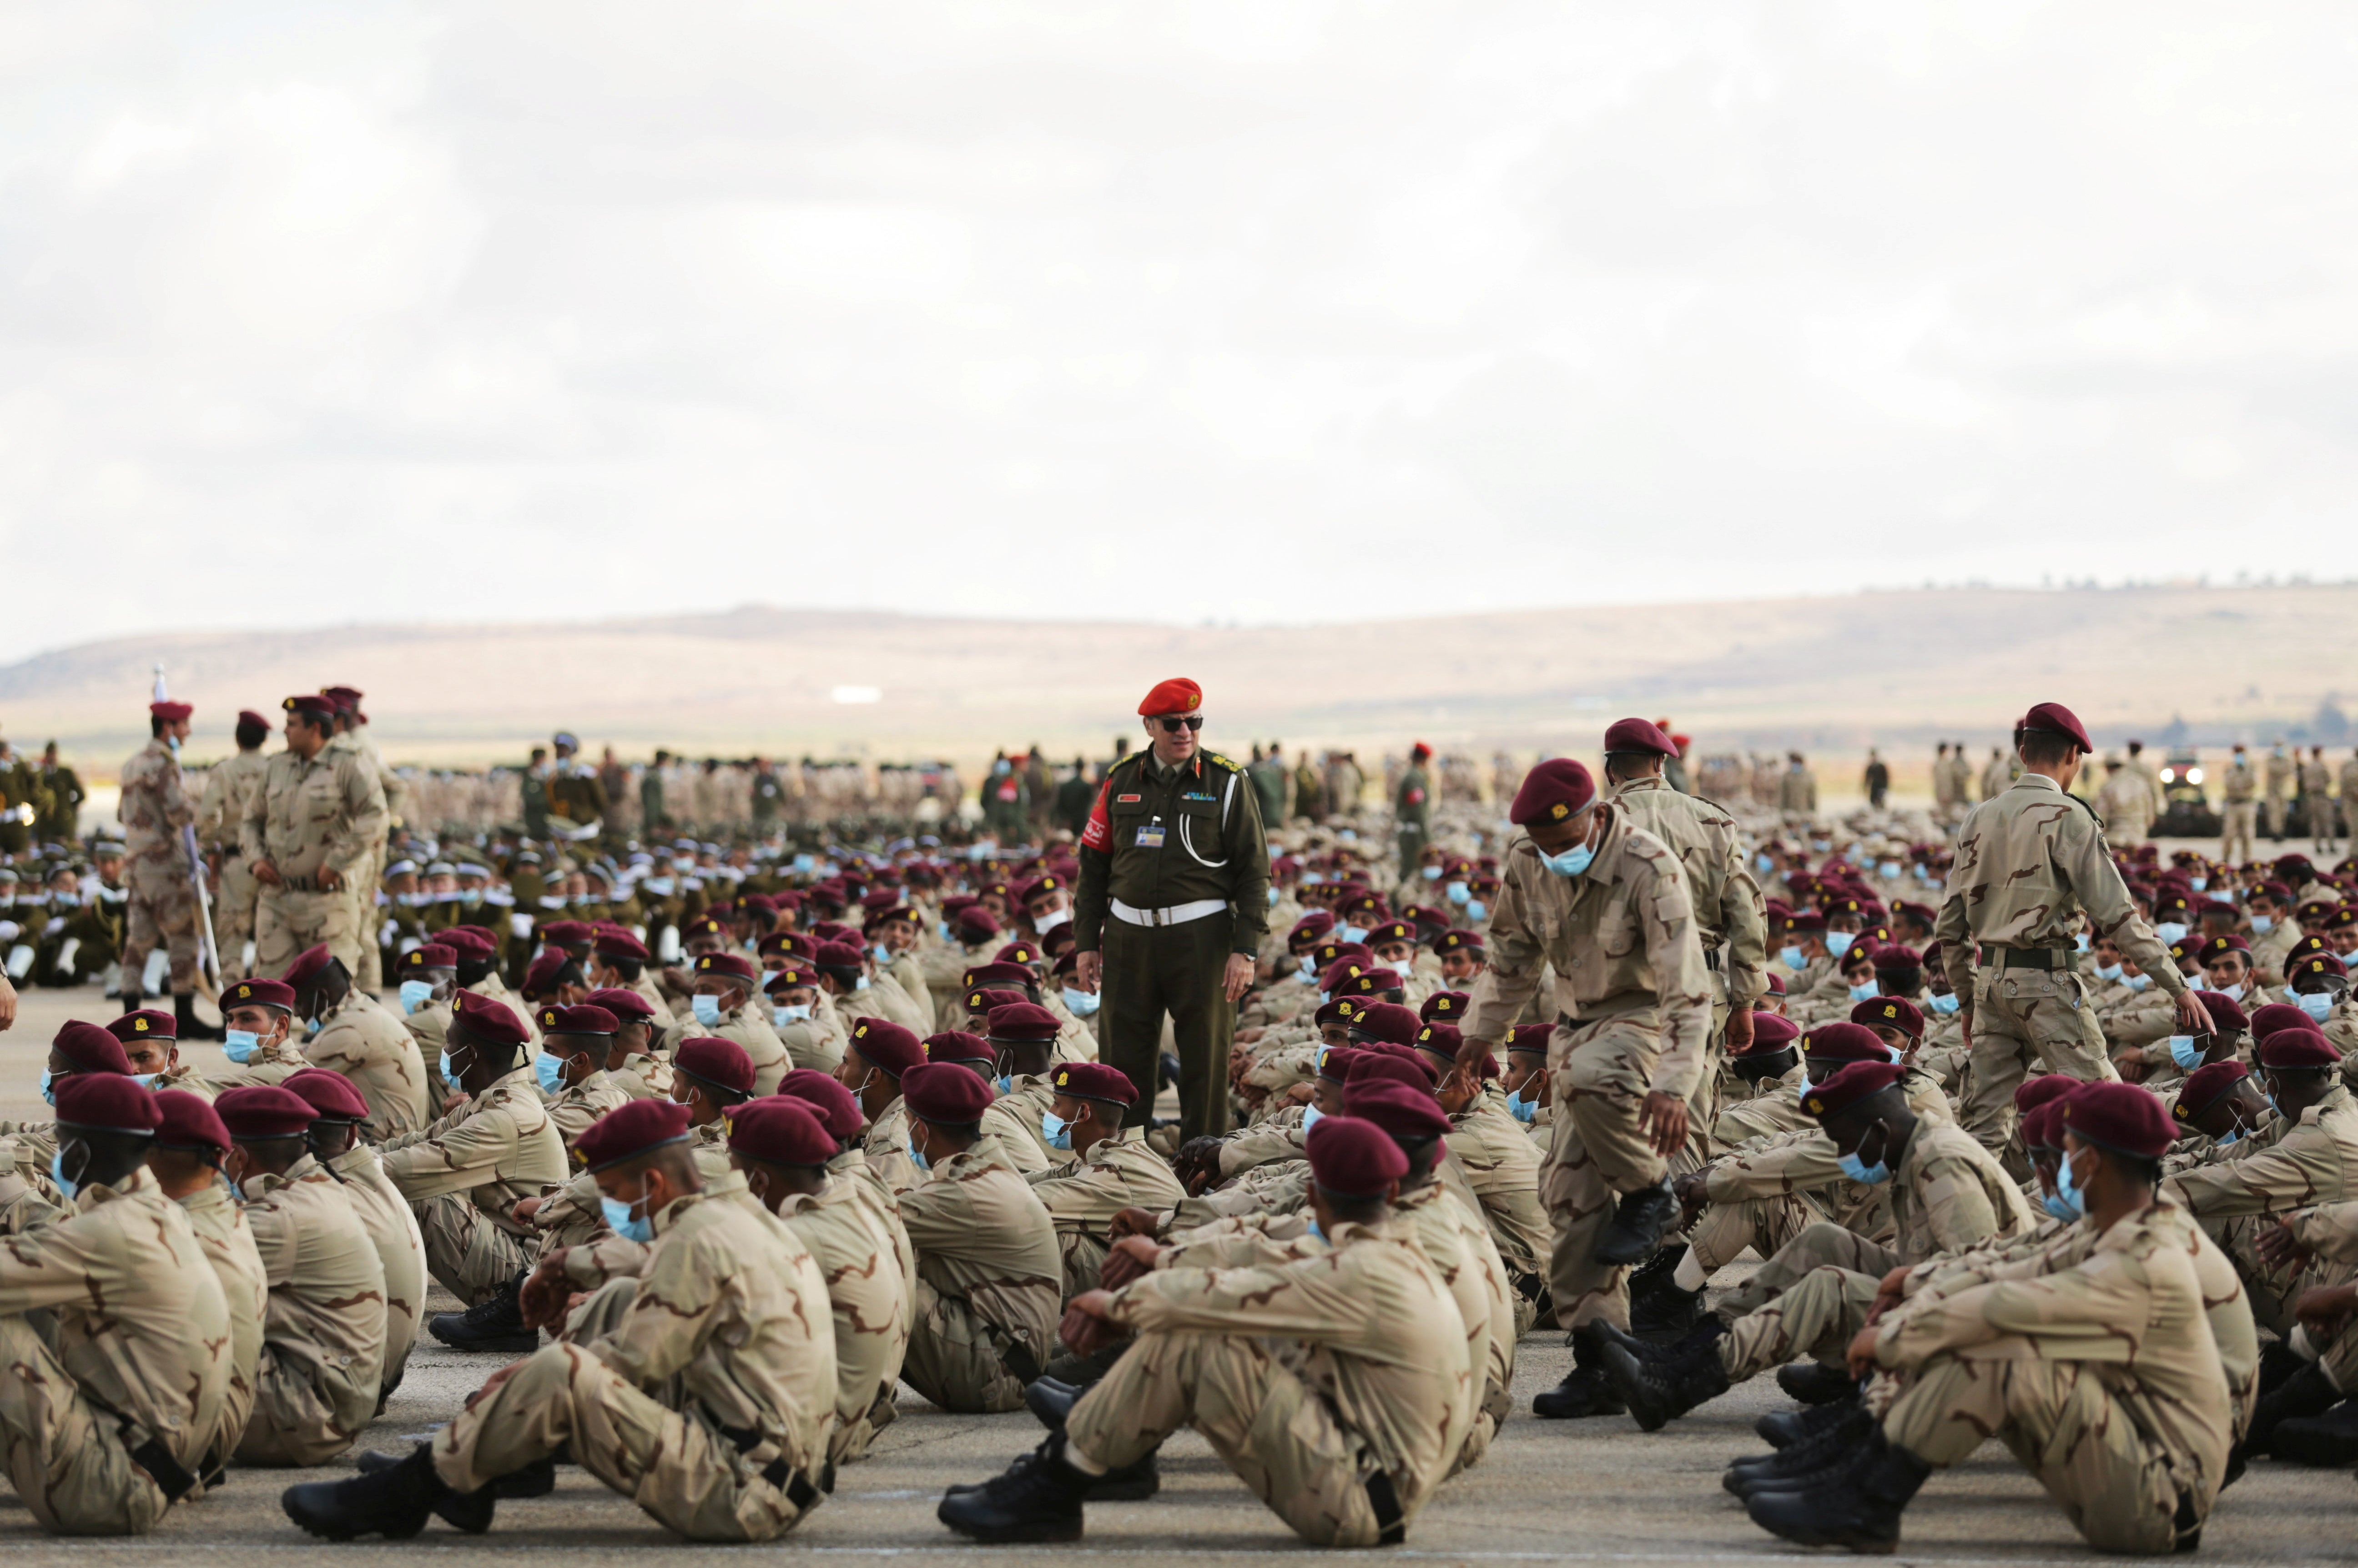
(1309,1300)
(56,1264)
(1743,915)
(1518,960)
(1956,1209)
(2078,1314)
(1674,944)
(2087,866)
(364,819)
(458,1159)
(252,827)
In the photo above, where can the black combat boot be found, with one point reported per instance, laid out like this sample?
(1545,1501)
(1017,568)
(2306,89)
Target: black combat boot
(2306,1392)
(2328,1441)
(186,1022)
(536,1480)
(1052,1401)
(1660,1312)
(1038,1498)
(1815,1383)
(1638,1221)
(392,1502)
(1857,1507)
(1660,1383)
(1585,1391)
(1782,1429)
(493,1323)
(1826,1444)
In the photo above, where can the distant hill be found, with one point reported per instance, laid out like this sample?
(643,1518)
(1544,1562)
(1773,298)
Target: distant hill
(1897,669)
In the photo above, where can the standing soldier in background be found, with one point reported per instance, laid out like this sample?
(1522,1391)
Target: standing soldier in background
(56,803)
(574,793)
(229,791)
(2349,781)
(1997,776)
(1797,792)
(652,815)
(2154,792)
(1073,797)
(153,809)
(2317,785)
(2125,804)
(351,734)
(1412,809)
(17,783)
(1876,780)
(2281,771)
(532,792)
(2238,813)
(1172,907)
(1944,788)
(306,834)
(1270,777)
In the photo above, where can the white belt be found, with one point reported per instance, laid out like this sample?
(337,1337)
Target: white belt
(1176,915)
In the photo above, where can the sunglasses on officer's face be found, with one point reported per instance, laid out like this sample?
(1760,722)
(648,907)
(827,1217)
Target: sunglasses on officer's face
(1172,726)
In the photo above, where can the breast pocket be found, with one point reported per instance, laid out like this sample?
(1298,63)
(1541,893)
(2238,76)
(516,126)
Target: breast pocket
(1199,831)
(1616,932)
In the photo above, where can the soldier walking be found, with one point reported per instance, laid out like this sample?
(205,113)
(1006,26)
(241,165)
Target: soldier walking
(153,810)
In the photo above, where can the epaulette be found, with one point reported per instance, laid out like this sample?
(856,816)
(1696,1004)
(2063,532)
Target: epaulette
(1216,757)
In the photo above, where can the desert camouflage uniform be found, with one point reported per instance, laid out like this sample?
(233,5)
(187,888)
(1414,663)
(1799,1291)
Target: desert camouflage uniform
(361,889)
(749,1026)
(1501,1167)
(307,816)
(140,1327)
(360,1039)
(229,789)
(323,1339)
(988,1270)
(219,1220)
(859,1256)
(2311,1161)
(887,1148)
(400,1249)
(1017,1113)
(1635,1016)
(154,808)
(709,1401)
(270,1065)
(575,1106)
(462,1175)
(1086,1192)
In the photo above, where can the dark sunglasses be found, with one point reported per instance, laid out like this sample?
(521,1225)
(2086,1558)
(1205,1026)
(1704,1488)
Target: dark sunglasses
(1172,726)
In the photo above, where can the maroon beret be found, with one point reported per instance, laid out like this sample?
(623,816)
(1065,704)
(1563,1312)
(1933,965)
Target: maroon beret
(1386,1020)
(1310,927)
(144,1024)
(1408,1114)
(983,1001)
(2318,964)
(1370,982)
(310,705)
(2226,1015)
(489,1019)
(1639,735)
(758,903)
(1441,1039)
(793,943)
(1095,1080)
(306,964)
(838,955)
(887,1046)
(2268,1018)
(586,1019)
(1021,1022)
(542,972)
(189,1121)
(2219,947)
(170,712)
(1850,1085)
(938,1092)
(1456,941)
(1552,792)
(794,977)
(719,1063)
(264,1110)
(1890,1012)
(1774,982)
(2056,719)
(1329,953)
(468,943)
(1396,1063)
(1354,1159)
(90,1048)
(630,1130)
(995,976)
(1845,1042)
(108,1102)
(956,1045)
(2041,1124)
(976,923)
(2298,1048)
(246,716)
(2120,1117)
(2034,1092)
(2206,1085)
(1022,955)
(1772,1033)
(829,1101)
(1444,1006)
(566,933)
(429,956)
(1342,1009)
(260,993)
(728,966)
(1390,930)
(615,943)
(1335,1062)
(783,1130)
(1532,1038)
(1892,956)
(623,1004)
(331,1095)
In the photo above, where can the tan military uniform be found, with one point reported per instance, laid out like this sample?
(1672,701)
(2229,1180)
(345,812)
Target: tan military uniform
(462,1175)
(140,1332)
(229,790)
(749,1026)
(219,1221)
(2126,803)
(1084,1193)
(306,818)
(2028,864)
(988,1267)
(2311,1161)
(1634,1012)
(323,1339)
(575,1106)
(887,1149)
(1501,1167)
(2239,789)
(400,1249)
(709,1401)
(270,1065)
(1014,1117)
(163,907)
(364,1041)
(1308,1380)
(854,1242)
(362,890)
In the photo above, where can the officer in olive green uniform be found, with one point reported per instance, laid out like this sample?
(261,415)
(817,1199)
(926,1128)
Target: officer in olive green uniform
(1173,906)
(1412,809)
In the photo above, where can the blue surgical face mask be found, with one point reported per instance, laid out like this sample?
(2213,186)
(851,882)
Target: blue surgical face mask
(1311,1116)
(1838,942)
(1458,892)
(1521,1109)
(706,1010)
(1945,1003)
(620,1220)
(2170,930)
(882,954)
(1476,911)
(1355,934)
(1790,956)
(49,1089)
(2057,1207)
(2136,982)
(782,1016)
(2074,1198)
(240,1045)
(1309,968)
(1315,1231)
(416,994)
(2317,1004)
(58,1174)
(2262,924)
(1429,873)
(1081,1004)
(1004,1084)
(2188,1050)
(2233,992)
(1890,870)
(2079,943)
(550,1071)
(1864,993)
(1055,1130)
(1763,864)
(1273,896)
(860,984)
(1571,864)
(1858,1170)
(147,1080)
(919,1156)
(2108,971)
(2198,883)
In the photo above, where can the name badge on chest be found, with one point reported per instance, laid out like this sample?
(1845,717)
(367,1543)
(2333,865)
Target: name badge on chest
(1150,836)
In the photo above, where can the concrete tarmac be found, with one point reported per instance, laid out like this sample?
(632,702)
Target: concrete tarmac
(1592,1491)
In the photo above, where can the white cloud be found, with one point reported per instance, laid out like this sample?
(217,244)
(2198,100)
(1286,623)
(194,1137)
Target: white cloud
(1324,311)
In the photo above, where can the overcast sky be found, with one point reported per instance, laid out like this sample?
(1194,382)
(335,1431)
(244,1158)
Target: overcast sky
(315,313)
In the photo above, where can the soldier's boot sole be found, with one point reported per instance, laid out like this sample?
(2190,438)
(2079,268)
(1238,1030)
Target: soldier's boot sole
(1131,1483)
(1583,1394)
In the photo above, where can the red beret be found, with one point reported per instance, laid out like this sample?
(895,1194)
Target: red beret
(996,974)
(259,993)
(2318,964)
(612,943)
(887,1046)
(727,966)
(758,903)
(1892,955)
(1391,931)
(249,718)
(2297,1048)
(542,972)
(188,1121)
(311,706)
(264,1110)
(1172,696)
(90,1048)
(1370,982)
(331,1095)
(1342,1009)
(306,964)
(1890,1012)
(1396,1063)
(794,977)
(170,712)
(2056,719)
(783,1130)
(2206,1085)
(722,1063)
(2219,947)
(468,943)
(938,1092)
(1354,1159)
(144,1024)
(585,1019)
(1335,1062)
(1310,928)
(565,933)
(1639,735)
(1441,1039)
(1444,1006)
(1845,1042)
(1329,953)
(2120,1117)
(1552,792)
(982,1002)
(488,1020)
(2268,1018)
(630,1130)
(622,1004)
(1408,1114)
(1095,1080)
(1386,1020)
(2226,1015)
(2041,1125)
(429,956)
(342,695)
(838,955)
(1455,941)
(956,1045)
(1775,982)
(1772,1033)
(1850,1085)
(107,1102)
(976,923)
(1531,1038)
(829,1101)
(2034,1092)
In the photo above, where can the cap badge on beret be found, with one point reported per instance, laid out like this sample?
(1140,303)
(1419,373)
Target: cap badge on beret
(1559,811)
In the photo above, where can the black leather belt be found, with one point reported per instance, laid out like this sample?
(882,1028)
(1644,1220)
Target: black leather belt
(1390,1528)
(2035,957)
